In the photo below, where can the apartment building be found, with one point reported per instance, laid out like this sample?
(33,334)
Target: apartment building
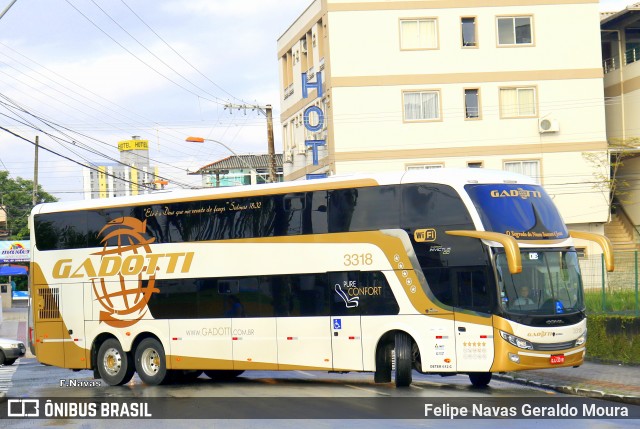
(399,85)
(621,64)
(131,176)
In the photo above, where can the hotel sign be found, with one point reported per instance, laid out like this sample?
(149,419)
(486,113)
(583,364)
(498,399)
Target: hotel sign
(315,143)
(133,145)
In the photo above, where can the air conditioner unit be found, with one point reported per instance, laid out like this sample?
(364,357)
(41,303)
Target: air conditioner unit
(547,125)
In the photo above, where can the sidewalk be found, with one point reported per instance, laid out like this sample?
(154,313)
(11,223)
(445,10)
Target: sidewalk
(610,381)
(593,379)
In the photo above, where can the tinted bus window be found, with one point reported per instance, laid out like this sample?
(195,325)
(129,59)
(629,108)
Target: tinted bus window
(62,231)
(428,205)
(288,295)
(362,209)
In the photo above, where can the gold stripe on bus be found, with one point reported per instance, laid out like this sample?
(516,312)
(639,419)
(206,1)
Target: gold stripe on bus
(222,193)
(469,316)
(502,363)
(197,363)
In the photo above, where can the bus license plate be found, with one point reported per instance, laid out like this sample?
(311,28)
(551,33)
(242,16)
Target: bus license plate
(556,359)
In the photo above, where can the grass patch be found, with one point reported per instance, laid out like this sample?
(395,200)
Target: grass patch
(616,302)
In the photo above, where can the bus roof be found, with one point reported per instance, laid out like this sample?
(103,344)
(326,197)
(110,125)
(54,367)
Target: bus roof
(456,178)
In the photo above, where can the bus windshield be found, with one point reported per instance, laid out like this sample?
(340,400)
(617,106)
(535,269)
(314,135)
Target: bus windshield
(524,212)
(549,283)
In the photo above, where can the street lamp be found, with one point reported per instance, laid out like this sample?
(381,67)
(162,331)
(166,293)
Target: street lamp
(202,140)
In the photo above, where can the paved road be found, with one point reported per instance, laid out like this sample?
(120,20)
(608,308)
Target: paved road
(325,395)
(330,398)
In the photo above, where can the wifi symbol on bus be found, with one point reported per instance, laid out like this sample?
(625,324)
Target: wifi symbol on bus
(424,235)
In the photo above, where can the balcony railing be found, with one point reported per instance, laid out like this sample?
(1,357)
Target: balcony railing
(630,56)
(288,91)
(610,64)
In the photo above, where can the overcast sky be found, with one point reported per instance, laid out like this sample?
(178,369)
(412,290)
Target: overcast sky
(100,71)
(107,75)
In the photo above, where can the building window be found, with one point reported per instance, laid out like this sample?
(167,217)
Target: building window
(320,38)
(528,168)
(632,45)
(424,166)
(475,164)
(419,33)
(472,103)
(469,38)
(517,102)
(514,30)
(421,106)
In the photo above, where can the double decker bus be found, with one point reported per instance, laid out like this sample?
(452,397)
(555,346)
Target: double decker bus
(441,271)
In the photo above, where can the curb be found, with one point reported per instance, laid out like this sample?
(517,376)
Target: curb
(571,390)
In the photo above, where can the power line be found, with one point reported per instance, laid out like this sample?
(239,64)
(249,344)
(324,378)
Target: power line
(153,124)
(177,53)
(153,54)
(217,100)
(78,144)
(72,160)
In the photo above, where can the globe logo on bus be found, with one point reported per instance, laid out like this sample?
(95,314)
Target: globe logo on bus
(124,295)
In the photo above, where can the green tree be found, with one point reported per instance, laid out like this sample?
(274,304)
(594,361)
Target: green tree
(16,199)
(607,167)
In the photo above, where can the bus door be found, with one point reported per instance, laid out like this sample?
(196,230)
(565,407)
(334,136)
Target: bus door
(473,322)
(48,323)
(301,307)
(346,329)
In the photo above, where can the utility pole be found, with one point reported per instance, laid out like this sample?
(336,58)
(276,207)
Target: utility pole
(267,112)
(6,9)
(270,144)
(35,176)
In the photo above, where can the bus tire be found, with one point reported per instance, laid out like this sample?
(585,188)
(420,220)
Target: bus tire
(223,374)
(151,362)
(383,364)
(403,363)
(114,365)
(480,379)
(185,375)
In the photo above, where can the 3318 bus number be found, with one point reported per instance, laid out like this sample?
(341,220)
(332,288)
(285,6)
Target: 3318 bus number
(355,259)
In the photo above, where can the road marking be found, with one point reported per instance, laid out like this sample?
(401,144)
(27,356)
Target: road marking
(308,374)
(6,377)
(367,390)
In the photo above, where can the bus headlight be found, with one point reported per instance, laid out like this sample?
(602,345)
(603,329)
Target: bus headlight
(516,341)
(581,339)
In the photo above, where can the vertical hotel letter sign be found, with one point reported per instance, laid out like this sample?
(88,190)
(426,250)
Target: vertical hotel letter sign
(314,144)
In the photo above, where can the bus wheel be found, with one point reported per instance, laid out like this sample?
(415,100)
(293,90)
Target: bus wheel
(383,364)
(403,362)
(151,363)
(222,375)
(480,379)
(185,375)
(114,365)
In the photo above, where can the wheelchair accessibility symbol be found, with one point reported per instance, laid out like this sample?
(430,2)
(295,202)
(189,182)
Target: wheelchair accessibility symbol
(337,324)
